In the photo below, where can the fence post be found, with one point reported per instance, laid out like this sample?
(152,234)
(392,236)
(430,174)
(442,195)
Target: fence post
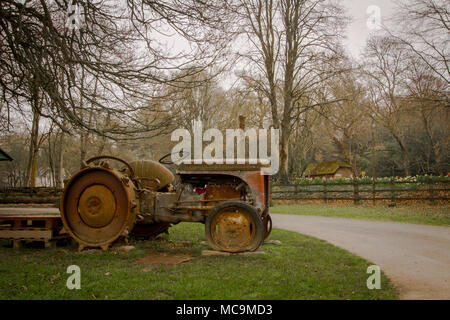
(431,190)
(325,191)
(392,191)
(355,191)
(373,191)
(296,191)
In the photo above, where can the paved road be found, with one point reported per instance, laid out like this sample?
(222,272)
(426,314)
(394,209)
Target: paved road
(415,257)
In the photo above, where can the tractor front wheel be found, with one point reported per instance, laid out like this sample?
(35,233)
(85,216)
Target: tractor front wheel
(234,226)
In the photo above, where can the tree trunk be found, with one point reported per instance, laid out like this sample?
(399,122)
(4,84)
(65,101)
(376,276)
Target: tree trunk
(404,154)
(59,162)
(51,162)
(434,147)
(33,152)
(83,151)
(284,155)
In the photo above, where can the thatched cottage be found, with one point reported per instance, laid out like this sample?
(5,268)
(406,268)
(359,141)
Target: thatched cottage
(328,170)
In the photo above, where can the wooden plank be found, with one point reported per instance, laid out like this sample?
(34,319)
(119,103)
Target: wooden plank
(30,217)
(23,228)
(26,234)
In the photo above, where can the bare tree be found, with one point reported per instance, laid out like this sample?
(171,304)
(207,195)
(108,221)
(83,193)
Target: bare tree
(429,103)
(205,102)
(247,100)
(384,66)
(293,46)
(115,45)
(424,26)
(346,120)
(36,138)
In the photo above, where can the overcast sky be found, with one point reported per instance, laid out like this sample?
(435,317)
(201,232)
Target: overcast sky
(358,30)
(356,35)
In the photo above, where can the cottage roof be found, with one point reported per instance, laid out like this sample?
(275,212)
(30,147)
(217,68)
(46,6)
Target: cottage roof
(310,169)
(326,167)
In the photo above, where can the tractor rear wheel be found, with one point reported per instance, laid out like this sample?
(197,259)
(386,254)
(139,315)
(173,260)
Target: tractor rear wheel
(234,226)
(98,206)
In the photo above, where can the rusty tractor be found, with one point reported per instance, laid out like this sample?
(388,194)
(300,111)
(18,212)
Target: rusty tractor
(101,205)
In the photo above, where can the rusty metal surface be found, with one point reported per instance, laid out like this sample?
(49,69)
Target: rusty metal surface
(205,208)
(253,178)
(233,229)
(151,174)
(98,206)
(267,221)
(204,201)
(146,200)
(255,181)
(166,211)
(234,226)
(130,169)
(221,191)
(185,168)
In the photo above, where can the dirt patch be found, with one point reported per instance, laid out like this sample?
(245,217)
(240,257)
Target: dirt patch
(154,258)
(179,245)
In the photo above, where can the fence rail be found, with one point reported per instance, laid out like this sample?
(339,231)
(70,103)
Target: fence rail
(28,195)
(428,190)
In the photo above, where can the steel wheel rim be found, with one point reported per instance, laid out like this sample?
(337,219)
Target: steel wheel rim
(233,229)
(97,206)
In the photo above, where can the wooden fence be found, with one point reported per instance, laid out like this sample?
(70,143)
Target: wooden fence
(429,191)
(30,195)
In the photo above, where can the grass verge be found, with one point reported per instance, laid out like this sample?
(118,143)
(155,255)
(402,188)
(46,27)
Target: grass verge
(432,216)
(301,267)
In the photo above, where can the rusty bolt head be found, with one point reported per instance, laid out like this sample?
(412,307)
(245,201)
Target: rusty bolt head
(125,180)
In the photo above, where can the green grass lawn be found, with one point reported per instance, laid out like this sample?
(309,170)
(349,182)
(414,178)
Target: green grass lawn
(433,216)
(301,267)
